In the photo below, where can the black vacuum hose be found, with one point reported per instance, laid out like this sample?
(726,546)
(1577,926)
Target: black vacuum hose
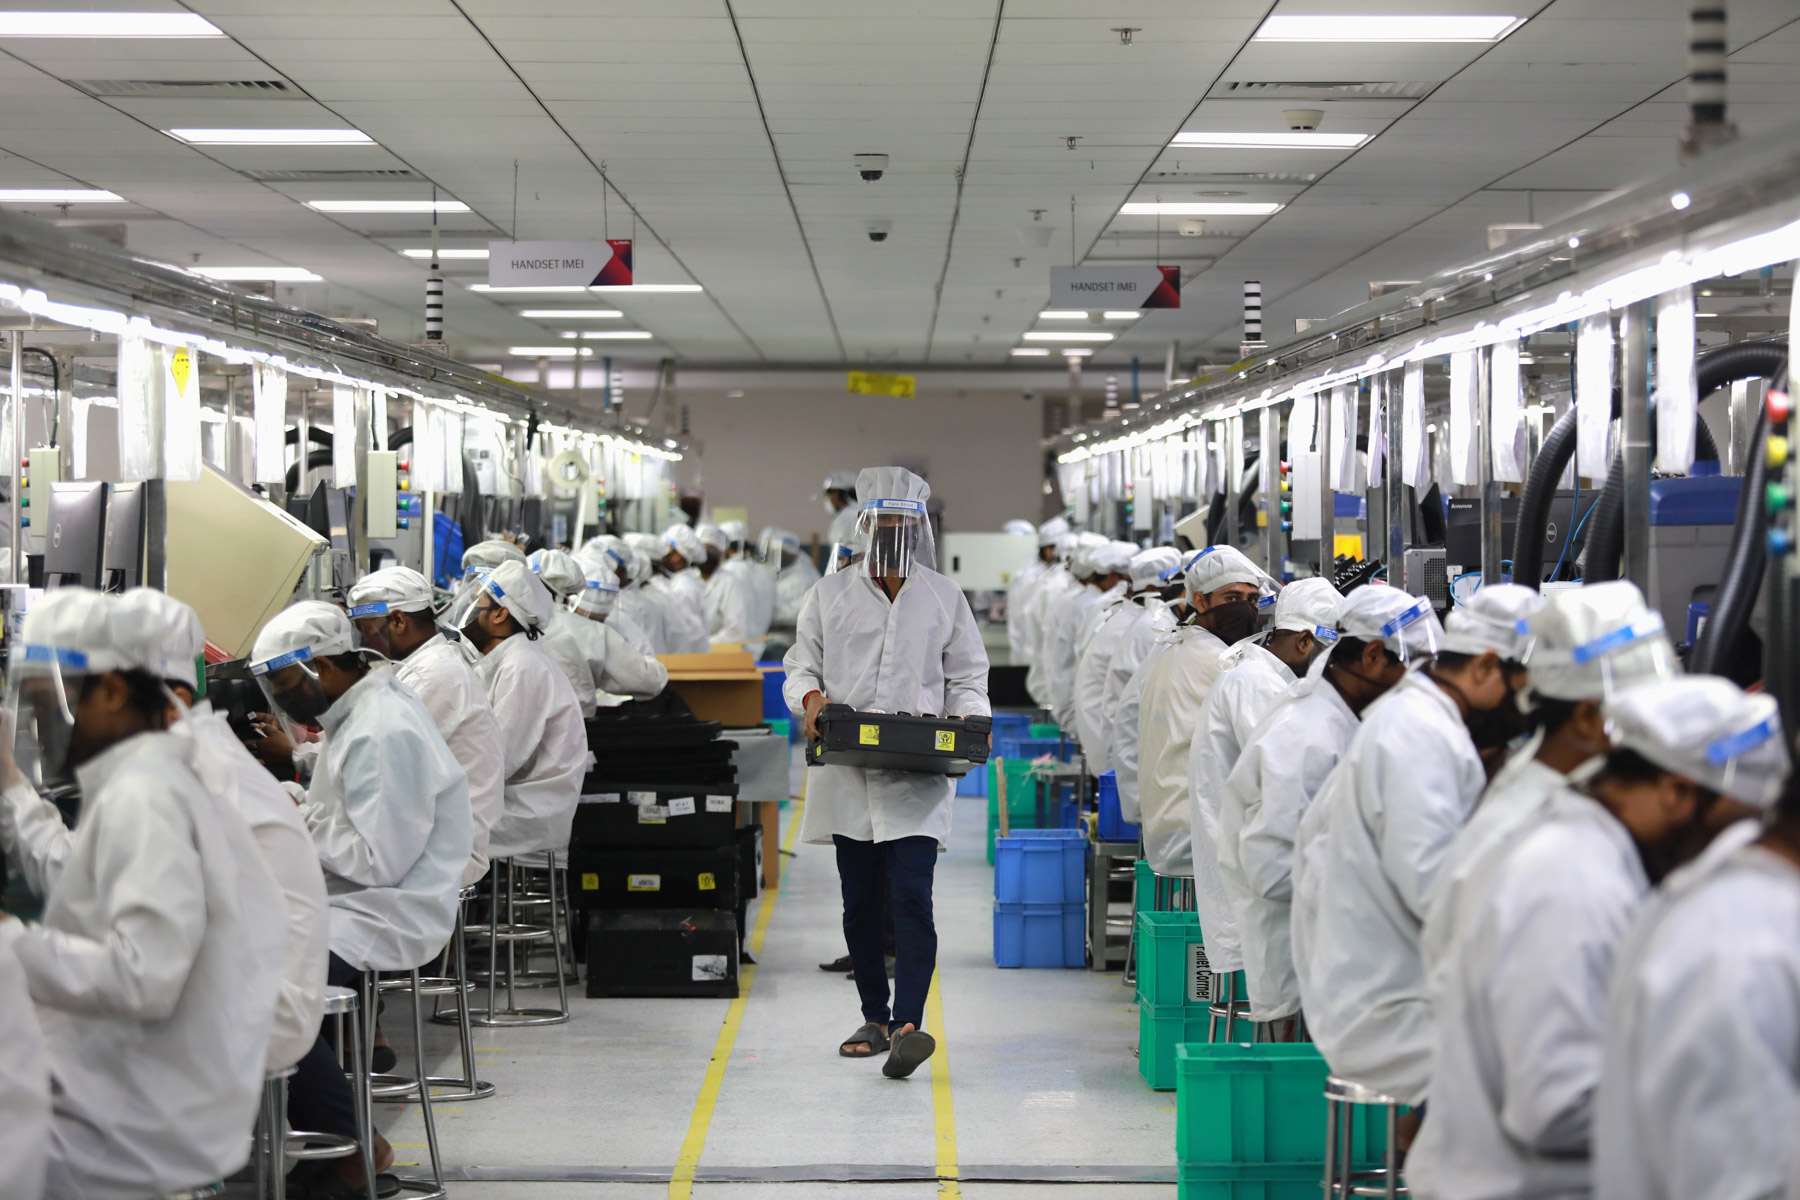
(1534,504)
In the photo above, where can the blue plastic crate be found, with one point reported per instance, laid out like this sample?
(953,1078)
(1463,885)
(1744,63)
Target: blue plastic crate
(1011,726)
(774,703)
(1030,748)
(1113,825)
(1040,935)
(1041,866)
(972,784)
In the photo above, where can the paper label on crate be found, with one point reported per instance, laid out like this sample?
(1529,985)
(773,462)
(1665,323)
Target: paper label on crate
(946,739)
(600,797)
(1199,975)
(681,806)
(711,968)
(718,804)
(590,883)
(643,883)
(869,735)
(653,814)
(708,882)
(641,797)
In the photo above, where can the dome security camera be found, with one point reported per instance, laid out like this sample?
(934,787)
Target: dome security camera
(1191,227)
(879,230)
(871,166)
(1303,120)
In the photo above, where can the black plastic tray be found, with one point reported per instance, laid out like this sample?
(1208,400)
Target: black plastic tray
(898,741)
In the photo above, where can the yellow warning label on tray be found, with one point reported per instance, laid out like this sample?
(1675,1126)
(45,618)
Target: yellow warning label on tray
(181,367)
(946,739)
(643,883)
(708,883)
(590,883)
(869,735)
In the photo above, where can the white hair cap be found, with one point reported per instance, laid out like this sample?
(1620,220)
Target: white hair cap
(1406,624)
(522,593)
(304,631)
(176,641)
(1495,618)
(1596,640)
(713,536)
(1308,606)
(1113,558)
(890,483)
(1052,532)
(841,481)
(1081,558)
(559,571)
(491,553)
(1149,566)
(391,589)
(735,531)
(1213,567)
(1707,729)
(683,541)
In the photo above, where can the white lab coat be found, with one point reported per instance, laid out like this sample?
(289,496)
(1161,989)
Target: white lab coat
(1063,646)
(843,525)
(1019,643)
(684,611)
(730,616)
(1279,772)
(594,658)
(233,775)
(1154,637)
(759,583)
(1175,688)
(1519,1007)
(642,610)
(1046,597)
(1091,715)
(1700,1071)
(627,627)
(544,743)
(791,586)
(388,807)
(1367,856)
(1252,683)
(444,680)
(24,1084)
(920,654)
(155,973)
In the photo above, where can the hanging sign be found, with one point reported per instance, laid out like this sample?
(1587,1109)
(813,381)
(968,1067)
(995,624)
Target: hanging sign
(560,264)
(1115,285)
(868,383)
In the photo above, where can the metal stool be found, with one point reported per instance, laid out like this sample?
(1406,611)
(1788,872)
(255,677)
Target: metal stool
(504,877)
(456,963)
(1226,1007)
(1342,1177)
(268,1144)
(532,894)
(1169,893)
(339,1003)
(433,1188)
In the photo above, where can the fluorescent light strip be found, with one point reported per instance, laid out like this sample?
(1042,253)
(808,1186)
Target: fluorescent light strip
(1063,314)
(446,253)
(624,289)
(1211,208)
(1130,315)
(388,206)
(1051,335)
(547,352)
(1268,141)
(571,314)
(1333,27)
(271,137)
(58,196)
(1029,352)
(1073,352)
(635,335)
(106,25)
(258,274)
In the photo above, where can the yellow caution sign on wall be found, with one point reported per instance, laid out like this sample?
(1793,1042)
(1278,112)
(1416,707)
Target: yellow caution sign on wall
(869,383)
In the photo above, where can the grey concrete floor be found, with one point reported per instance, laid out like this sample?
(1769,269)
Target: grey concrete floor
(1041,1068)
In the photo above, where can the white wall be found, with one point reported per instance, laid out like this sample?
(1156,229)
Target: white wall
(769,450)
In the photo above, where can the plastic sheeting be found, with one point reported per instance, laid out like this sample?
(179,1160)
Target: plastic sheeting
(1305,471)
(1378,402)
(268,407)
(1464,445)
(1676,384)
(343,435)
(140,411)
(1593,395)
(1415,458)
(1506,411)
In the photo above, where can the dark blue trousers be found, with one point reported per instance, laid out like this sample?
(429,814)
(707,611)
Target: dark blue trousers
(905,867)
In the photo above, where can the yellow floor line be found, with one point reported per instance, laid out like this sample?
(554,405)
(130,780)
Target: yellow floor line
(943,1110)
(681,1183)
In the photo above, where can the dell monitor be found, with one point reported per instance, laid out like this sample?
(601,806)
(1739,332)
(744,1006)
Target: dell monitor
(122,557)
(74,533)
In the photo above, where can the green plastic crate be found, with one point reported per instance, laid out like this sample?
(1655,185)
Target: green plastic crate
(1255,1181)
(1160,1030)
(1143,888)
(1052,730)
(1021,798)
(1171,966)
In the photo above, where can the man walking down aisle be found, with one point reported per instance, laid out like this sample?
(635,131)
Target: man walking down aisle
(892,636)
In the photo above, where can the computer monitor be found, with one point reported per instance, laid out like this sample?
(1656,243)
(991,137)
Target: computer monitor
(74,534)
(122,557)
(1462,533)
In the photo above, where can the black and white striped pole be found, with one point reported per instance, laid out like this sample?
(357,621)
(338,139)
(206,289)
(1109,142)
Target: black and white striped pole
(1707,127)
(434,285)
(1253,330)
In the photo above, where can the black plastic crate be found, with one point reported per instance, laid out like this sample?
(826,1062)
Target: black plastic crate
(750,860)
(898,742)
(665,952)
(651,815)
(653,877)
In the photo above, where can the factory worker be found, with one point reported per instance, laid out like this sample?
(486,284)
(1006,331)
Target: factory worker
(391,610)
(1144,641)
(795,573)
(892,636)
(1518,1052)
(491,553)
(1255,674)
(601,600)
(1093,715)
(592,657)
(1043,605)
(1101,569)
(758,578)
(1370,845)
(158,964)
(1285,763)
(729,605)
(24,1083)
(1223,587)
(543,740)
(634,615)
(1700,1061)
(1020,641)
(683,623)
(1589,643)
(678,576)
(840,501)
(1019,528)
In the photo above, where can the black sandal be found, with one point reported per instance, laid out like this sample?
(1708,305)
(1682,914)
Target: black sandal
(910,1050)
(871,1034)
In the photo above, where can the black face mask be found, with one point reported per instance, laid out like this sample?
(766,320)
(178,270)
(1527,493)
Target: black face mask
(477,637)
(305,702)
(891,546)
(1493,728)
(1232,621)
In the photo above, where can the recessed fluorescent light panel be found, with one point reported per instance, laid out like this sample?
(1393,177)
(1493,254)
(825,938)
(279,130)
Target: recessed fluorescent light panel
(58,196)
(616,334)
(1335,27)
(1071,352)
(1198,208)
(571,314)
(1030,352)
(1189,139)
(1128,315)
(444,255)
(272,137)
(258,274)
(626,289)
(1063,314)
(1050,335)
(106,25)
(388,206)
(547,352)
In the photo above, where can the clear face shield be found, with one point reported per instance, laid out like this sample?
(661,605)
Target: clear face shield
(43,690)
(290,684)
(898,536)
(1604,666)
(369,622)
(1414,634)
(846,555)
(595,602)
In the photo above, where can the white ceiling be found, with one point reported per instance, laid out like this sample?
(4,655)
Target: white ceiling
(729,127)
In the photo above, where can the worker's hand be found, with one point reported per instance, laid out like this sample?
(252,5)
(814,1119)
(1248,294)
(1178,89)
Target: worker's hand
(809,720)
(273,746)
